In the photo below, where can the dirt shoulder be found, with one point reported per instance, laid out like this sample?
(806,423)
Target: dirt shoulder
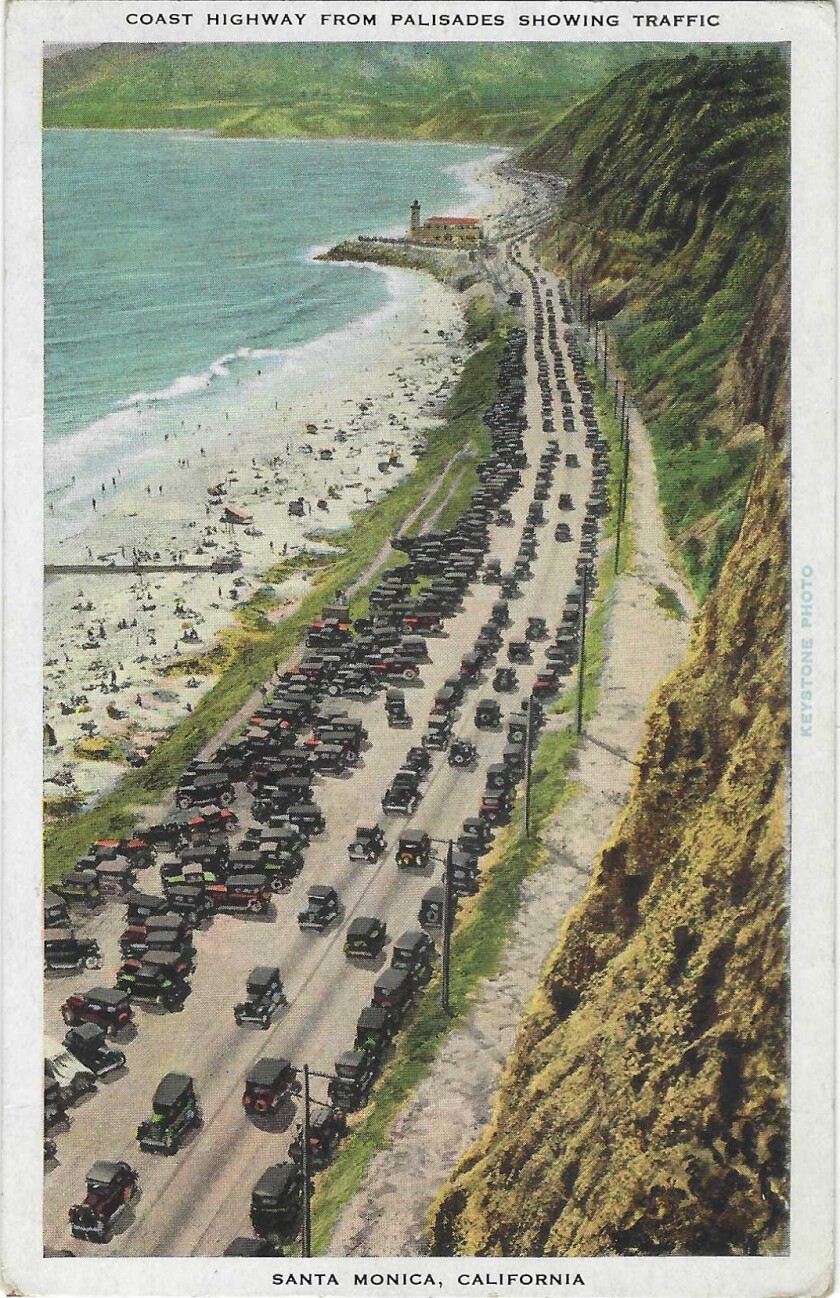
(645,640)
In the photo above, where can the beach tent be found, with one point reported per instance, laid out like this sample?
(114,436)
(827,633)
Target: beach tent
(232,515)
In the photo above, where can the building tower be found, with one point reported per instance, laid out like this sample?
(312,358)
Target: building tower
(414,218)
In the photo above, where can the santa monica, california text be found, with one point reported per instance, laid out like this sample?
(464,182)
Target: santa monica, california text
(539,1279)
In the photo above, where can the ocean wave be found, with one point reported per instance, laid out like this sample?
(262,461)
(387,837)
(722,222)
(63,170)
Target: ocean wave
(186,384)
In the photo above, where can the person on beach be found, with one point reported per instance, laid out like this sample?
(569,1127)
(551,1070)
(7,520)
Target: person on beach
(93,502)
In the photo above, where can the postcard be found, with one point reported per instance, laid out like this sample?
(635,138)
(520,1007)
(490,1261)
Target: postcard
(419,646)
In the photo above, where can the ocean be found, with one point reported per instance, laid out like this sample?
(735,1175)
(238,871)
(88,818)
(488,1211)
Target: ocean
(178,266)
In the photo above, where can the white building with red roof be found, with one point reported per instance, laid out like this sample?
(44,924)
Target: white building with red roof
(460,231)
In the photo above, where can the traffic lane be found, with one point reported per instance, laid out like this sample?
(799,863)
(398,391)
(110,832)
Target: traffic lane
(407,913)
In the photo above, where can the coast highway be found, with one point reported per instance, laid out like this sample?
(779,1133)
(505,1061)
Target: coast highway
(196,1202)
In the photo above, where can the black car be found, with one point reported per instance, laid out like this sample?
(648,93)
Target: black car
(140,905)
(475,835)
(174,1112)
(55,911)
(87,1043)
(63,951)
(536,629)
(395,708)
(79,888)
(321,908)
(276,1201)
(505,680)
(110,1188)
(431,910)
(403,795)
(413,953)
(438,733)
(519,651)
(562,532)
(463,752)
(393,991)
(414,848)
(417,759)
(155,980)
(264,996)
(488,714)
(375,1028)
(365,938)
(267,1085)
(355,1073)
(368,844)
(326,1128)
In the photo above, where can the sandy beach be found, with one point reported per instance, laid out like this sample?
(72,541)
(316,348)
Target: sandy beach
(332,424)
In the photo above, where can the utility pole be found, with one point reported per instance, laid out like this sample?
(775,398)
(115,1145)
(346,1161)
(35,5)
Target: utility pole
(623,405)
(596,345)
(615,401)
(306,1231)
(622,504)
(529,742)
(588,313)
(446,932)
(581,297)
(582,655)
(605,355)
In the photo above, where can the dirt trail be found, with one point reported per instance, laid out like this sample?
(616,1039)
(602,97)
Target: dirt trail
(451,1106)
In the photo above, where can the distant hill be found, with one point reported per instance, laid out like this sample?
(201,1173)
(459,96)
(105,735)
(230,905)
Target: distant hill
(501,93)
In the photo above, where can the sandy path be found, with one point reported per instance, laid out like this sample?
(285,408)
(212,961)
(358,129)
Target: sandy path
(451,1106)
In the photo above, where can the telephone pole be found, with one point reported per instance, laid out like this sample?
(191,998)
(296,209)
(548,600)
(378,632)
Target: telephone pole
(446,932)
(306,1230)
(582,655)
(529,743)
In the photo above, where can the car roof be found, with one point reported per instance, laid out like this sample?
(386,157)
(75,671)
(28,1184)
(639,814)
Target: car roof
(263,976)
(88,1032)
(146,899)
(372,1016)
(411,938)
(170,1089)
(247,881)
(350,1059)
(108,995)
(103,1172)
(390,979)
(362,925)
(321,890)
(59,935)
(52,898)
(275,1180)
(413,836)
(267,1072)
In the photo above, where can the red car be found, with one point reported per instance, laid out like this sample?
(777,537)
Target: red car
(241,892)
(110,1187)
(105,1006)
(396,664)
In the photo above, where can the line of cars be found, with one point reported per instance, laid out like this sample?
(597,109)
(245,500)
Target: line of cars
(278,769)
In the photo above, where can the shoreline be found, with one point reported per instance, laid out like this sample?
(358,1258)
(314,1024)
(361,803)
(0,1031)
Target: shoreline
(111,637)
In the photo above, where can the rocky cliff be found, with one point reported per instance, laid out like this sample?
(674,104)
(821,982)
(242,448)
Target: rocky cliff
(644,1108)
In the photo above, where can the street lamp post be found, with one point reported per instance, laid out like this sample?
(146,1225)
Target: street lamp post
(446,931)
(306,1229)
(582,656)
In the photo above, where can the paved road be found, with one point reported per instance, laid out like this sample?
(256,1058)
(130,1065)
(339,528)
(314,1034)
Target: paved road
(197,1201)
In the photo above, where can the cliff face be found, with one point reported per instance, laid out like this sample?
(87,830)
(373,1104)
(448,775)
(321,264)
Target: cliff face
(675,212)
(644,1108)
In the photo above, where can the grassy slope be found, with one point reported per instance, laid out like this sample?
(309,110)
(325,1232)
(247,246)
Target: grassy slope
(503,93)
(256,654)
(644,1108)
(677,209)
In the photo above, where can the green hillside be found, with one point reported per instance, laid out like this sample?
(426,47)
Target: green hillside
(676,210)
(503,93)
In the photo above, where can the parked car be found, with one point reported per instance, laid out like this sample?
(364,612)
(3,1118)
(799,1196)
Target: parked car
(242,892)
(413,953)
(175,1112)
(327,1126)
(417,759)
(403,794)
(431,910)
(505,681)
(155,981)
(276,1201)
(87,1043)
(63,951)
(463,752)
(393,991)
(354,1075)
(365,938)
(267,1085)
(321,908)
(79,888)
(71,1076)
(55,911)
(105,1006)
(110,1188)
(375,1028)
(264,995)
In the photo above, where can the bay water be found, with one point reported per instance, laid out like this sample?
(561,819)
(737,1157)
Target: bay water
(178,266)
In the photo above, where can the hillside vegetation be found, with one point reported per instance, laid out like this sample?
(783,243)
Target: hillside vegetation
(644,1108)
(504,93)
(676,210)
